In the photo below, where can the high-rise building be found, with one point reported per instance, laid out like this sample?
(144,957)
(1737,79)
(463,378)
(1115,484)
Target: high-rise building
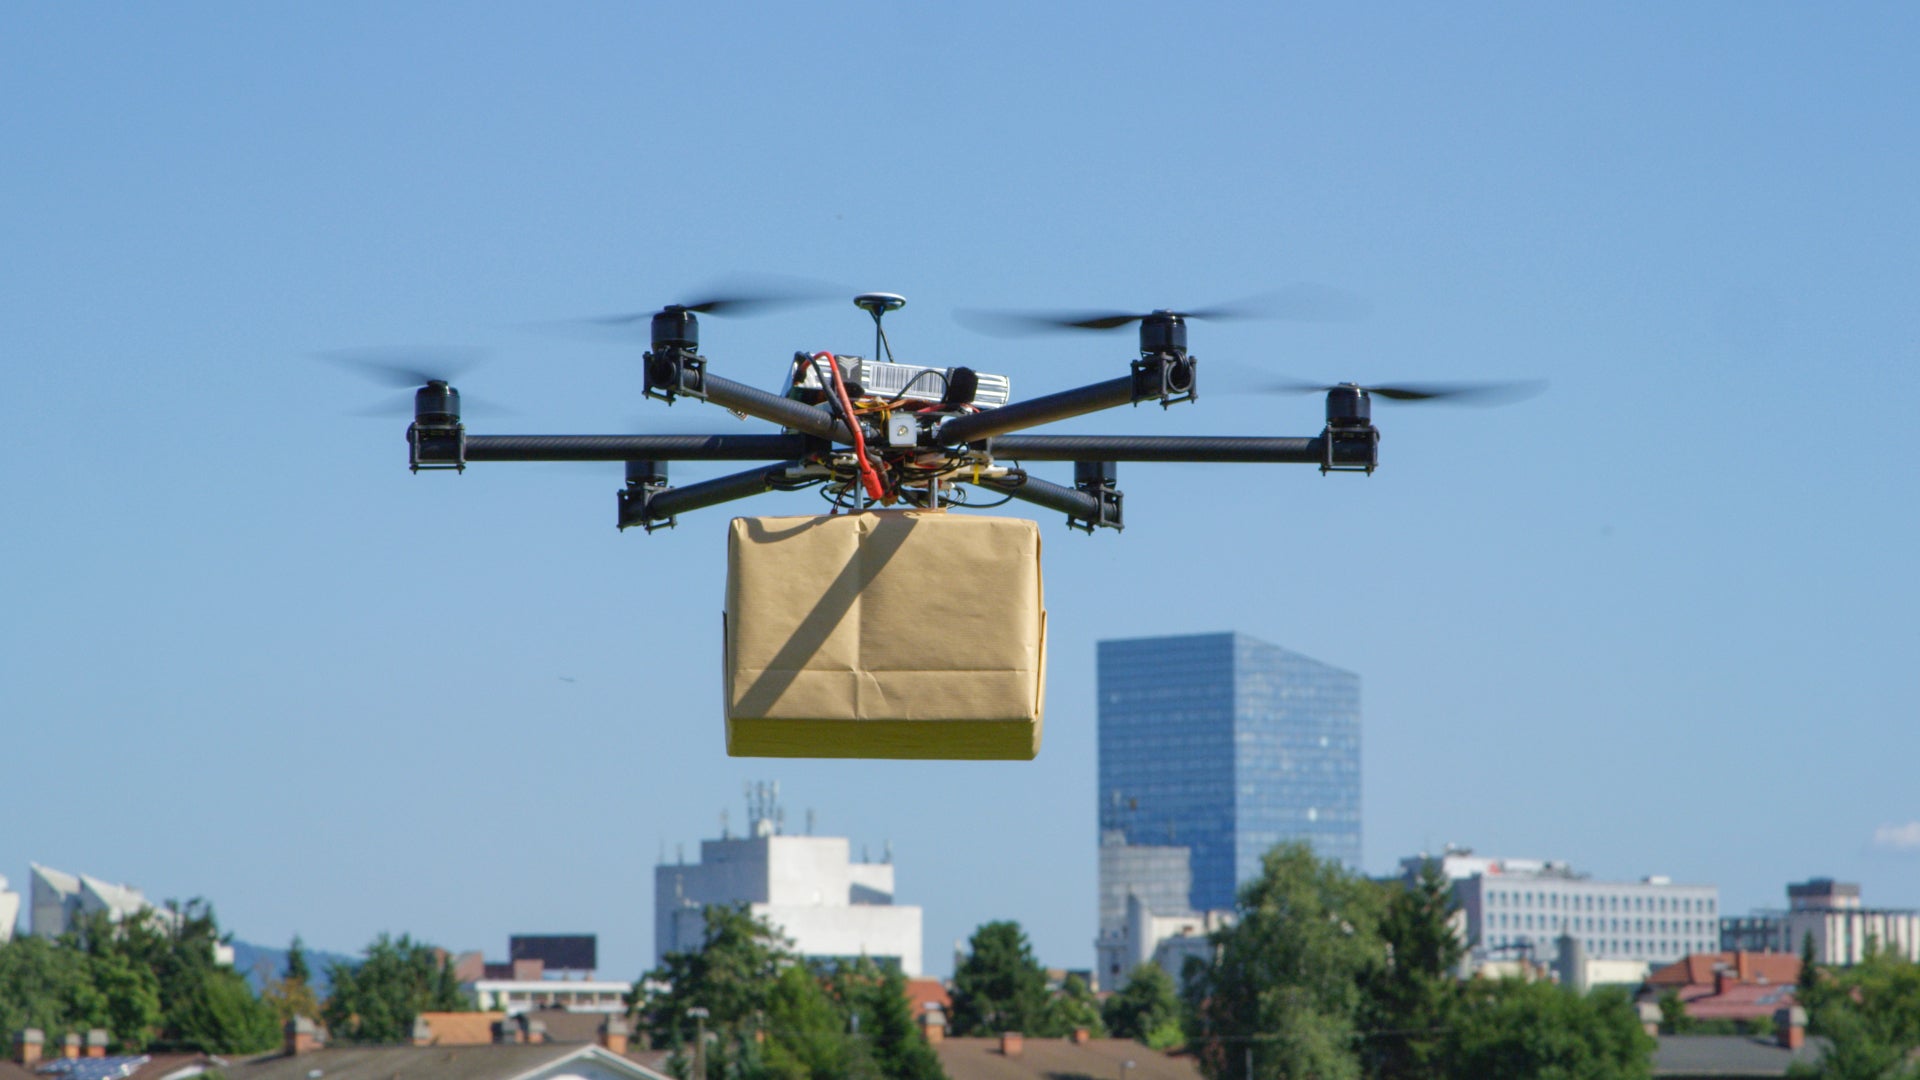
(1224,745)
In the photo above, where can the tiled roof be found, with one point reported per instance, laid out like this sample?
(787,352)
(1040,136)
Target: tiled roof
(1061,1059)
(461,1028)
(922,992)
(143,1066)
(1729,1056)
(488,1062)
(1748,967)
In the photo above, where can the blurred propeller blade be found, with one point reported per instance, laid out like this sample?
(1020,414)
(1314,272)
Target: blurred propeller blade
(406,367)
(1451,393)
(1300,302)
(739,294)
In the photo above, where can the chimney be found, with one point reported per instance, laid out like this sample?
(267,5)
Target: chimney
(422,1032)
(1649,1017)
(302,1036)
(613,1034)
(97,1043)
(1722,979)
(1011,1043)
(1743,963)
(70,1045)
(536,1030)
(28,1045)
(1790,1027)
(1081,1036)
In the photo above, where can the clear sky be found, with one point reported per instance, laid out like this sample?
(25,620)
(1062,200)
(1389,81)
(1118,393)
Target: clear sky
(1660,619)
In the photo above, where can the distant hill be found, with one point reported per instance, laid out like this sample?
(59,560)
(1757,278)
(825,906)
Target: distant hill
(261,965)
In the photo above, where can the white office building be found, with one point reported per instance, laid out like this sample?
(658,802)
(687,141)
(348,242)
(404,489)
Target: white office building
(60,899)
(1829,913)
(809,887)
(9,911)
(1520,909)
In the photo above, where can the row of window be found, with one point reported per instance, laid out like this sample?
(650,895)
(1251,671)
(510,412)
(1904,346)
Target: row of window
(1590,902)
(1529,921)
(1604,947)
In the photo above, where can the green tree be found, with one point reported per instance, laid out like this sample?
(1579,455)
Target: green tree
(1146,1008)
(292,993)
(807,1036)
(1285,993)
(1673,1014)
(877,1000)
(43,984)
(731,976)
(1074,1006)
(1416,993)
(377,1000)
(999,986)
(1870,1012)
(1510,1029)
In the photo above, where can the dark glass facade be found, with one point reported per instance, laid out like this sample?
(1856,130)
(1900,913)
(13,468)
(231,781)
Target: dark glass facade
(1228,745)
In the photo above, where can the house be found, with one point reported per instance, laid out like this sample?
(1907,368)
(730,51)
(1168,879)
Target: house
(1739,985)
(1013,1057)
(519,1050)
(87,1057)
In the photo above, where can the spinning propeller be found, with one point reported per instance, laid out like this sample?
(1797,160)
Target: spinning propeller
(1453,393)
(428,371)
(1302,302)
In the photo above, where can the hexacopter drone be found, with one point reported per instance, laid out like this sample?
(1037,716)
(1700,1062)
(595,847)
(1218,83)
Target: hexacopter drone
(867,431)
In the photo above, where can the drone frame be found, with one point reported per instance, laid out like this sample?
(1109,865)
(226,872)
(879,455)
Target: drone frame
(1164,371)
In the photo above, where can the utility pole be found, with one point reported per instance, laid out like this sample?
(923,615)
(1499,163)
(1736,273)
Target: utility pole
(700,1042)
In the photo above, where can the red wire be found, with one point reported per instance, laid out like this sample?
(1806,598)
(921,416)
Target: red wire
(871,479)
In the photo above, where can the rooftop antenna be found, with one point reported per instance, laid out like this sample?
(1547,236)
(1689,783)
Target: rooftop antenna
(809,821)
(680,853)
(724,834)
(886,852)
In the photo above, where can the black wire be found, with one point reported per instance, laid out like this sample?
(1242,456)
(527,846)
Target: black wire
(945,385)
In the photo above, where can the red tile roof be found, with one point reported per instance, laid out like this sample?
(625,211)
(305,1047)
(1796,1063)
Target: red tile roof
(1699,969)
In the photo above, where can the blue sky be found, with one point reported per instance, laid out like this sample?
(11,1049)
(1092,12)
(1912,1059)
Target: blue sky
(1657,620)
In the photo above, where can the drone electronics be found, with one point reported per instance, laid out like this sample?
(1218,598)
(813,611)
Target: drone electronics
(870,431)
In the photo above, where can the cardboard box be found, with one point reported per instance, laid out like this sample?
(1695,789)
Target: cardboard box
(889,634)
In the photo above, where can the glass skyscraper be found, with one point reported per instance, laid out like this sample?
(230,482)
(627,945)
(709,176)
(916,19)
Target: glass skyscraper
(1227,745)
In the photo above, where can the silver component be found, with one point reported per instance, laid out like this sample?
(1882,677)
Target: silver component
(902,430)
(885,380)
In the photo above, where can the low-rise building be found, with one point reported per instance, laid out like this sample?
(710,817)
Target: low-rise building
(1743,986)
(1830,914)
(1523,909)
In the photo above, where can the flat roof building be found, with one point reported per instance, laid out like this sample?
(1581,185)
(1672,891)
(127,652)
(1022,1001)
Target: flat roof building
(808,887)
(1522,908)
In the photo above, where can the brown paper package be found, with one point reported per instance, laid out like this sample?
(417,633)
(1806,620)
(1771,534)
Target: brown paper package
(888,634)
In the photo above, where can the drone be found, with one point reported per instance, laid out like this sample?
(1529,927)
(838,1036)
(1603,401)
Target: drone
(871,432)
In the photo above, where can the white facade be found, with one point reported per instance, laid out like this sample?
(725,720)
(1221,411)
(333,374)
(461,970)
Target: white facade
(60,899)
(9,911)
(515,996)
(1517,908)
(1831,914)
(808,887)
(1164,939)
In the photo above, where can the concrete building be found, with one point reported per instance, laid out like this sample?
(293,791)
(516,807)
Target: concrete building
(1224,746)
(1536,910)
(809,887)
(1831,914)
(9,911)
(60,899)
